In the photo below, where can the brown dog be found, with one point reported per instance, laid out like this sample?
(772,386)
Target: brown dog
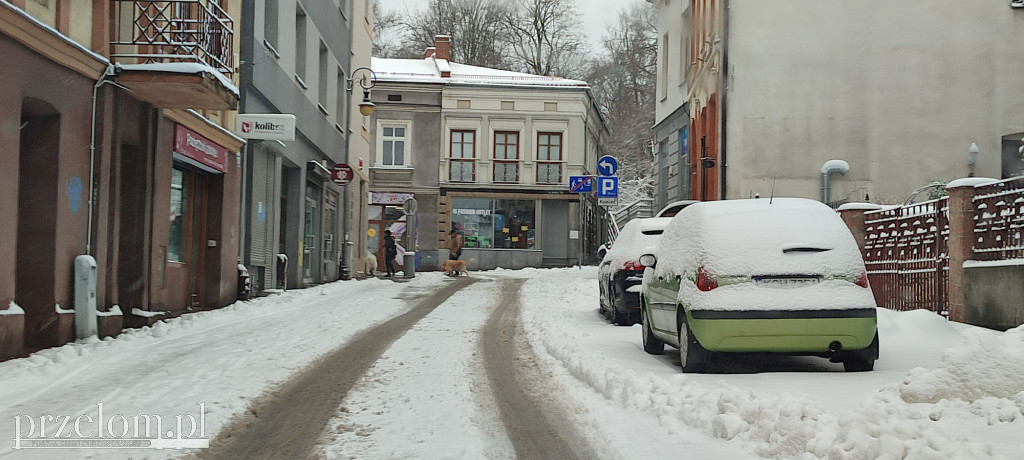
(455,267)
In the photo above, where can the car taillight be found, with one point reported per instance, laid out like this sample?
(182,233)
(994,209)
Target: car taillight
(705,281)
(861,279)
(633,266)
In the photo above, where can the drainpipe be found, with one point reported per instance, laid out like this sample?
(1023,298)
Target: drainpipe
(107,77)
(723,108)
(831,166)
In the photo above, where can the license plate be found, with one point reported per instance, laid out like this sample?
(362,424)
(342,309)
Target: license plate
(786,282)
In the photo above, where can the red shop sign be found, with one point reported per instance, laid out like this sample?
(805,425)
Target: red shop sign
(190,144)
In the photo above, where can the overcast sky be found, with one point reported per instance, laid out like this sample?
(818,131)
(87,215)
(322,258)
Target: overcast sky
(597,14)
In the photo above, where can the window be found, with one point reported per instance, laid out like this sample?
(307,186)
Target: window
(664,66)
(462,167)
(270,22)
(549,158)
(341,114)
(179,207)
(322,77)
(506,156)
(393,140)
(498,224)
(300,46)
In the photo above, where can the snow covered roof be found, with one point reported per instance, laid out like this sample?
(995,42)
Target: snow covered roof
(431,69)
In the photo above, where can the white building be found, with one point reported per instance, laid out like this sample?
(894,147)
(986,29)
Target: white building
(487,152)
(899,90)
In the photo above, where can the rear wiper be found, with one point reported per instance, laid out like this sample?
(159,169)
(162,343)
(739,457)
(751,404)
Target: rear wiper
(805,249)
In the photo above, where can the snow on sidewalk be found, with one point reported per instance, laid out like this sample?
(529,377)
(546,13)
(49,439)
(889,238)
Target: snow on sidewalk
(221,358)
(970,404)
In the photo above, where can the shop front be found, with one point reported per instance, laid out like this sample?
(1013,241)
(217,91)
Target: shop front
(499,232)
(385,213)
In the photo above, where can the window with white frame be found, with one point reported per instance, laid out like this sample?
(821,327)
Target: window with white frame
(506,156)
(393,146)
(549,158)
(462,164)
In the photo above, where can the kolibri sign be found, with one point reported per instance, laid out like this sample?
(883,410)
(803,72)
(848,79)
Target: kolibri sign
(270,126)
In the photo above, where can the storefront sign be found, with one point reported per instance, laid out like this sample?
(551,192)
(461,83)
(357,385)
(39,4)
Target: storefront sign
(202,152)
(271,126)
(397,199)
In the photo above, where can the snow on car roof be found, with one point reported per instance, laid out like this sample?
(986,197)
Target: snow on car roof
(759,236)
(633,242)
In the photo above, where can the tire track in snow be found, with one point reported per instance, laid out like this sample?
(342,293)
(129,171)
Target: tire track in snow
(288,422)
(530,421)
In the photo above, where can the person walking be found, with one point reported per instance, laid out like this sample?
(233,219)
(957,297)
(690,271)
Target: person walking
(455,246)
(390,252)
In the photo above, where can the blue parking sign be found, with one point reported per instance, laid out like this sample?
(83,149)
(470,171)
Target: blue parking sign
(607,187)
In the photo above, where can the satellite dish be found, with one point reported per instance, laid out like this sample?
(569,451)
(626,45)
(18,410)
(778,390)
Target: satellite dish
(409,207)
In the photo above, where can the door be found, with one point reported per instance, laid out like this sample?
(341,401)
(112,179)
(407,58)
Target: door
(311,237)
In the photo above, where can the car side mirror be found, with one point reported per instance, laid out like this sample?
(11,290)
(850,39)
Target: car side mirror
(648,260)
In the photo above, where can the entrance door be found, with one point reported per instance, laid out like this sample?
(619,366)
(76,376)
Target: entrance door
(311,237)
(386,217)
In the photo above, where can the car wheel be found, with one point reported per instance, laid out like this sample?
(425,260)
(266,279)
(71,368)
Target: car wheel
(652,344)
(692,356)
(862,360)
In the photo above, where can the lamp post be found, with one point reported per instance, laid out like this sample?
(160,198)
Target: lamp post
(366,106)
(366,109)
(972,159)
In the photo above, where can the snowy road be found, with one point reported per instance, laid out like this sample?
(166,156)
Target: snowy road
(584,387)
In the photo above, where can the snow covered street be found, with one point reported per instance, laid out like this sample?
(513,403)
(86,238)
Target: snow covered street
(939,390)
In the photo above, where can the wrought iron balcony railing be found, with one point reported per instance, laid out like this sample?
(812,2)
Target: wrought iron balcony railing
(197,31)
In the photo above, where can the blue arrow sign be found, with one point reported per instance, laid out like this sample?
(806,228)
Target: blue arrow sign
(607,187)
(607,166)
(580,184)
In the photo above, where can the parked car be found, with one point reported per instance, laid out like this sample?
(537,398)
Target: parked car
(674,207)
(620,271)
(783,276)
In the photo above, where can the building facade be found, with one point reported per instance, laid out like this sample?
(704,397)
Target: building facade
(488,153)
(119,156)
(777,89)
(296,220)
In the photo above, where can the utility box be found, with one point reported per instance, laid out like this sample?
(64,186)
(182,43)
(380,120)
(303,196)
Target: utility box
(85,297)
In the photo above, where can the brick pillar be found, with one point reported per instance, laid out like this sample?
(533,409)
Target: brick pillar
(853,216)
(961,244)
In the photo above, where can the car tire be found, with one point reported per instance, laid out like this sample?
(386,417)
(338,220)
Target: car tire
(692,356)
(862,360)
(652,344)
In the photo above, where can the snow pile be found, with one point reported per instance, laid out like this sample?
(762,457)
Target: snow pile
(981,369)
(791,425)
(12,309)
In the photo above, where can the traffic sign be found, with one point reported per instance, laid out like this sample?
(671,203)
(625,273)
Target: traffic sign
(581,184)
(342,174)
(607,201)
(607,166)
(607,187)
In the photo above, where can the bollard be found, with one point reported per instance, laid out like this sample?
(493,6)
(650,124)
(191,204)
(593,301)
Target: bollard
(410,264)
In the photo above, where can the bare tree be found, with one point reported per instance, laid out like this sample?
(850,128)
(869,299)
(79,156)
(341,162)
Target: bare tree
(546,37)
(623,80)
(476,27)
(385,33)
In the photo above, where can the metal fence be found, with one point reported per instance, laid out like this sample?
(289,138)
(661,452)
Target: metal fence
(999,220)
(906,255)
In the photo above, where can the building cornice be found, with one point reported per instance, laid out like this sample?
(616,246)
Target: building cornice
(51,44)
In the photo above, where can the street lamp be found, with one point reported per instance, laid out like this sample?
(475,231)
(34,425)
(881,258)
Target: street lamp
(365,107)
(972,159)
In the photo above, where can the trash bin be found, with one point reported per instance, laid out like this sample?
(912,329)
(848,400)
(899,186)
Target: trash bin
(410,264)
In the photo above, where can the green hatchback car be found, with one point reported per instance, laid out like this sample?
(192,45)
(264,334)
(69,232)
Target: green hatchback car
(781,275)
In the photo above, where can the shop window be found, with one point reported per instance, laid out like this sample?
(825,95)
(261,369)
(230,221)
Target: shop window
(506,156)
(495,223)
(462,166)
(179,208)
(549,158)
(393,145)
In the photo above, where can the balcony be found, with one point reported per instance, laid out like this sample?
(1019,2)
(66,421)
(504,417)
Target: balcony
(176,54)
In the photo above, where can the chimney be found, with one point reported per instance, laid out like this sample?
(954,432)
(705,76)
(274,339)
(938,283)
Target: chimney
(429,52)
(443,44)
